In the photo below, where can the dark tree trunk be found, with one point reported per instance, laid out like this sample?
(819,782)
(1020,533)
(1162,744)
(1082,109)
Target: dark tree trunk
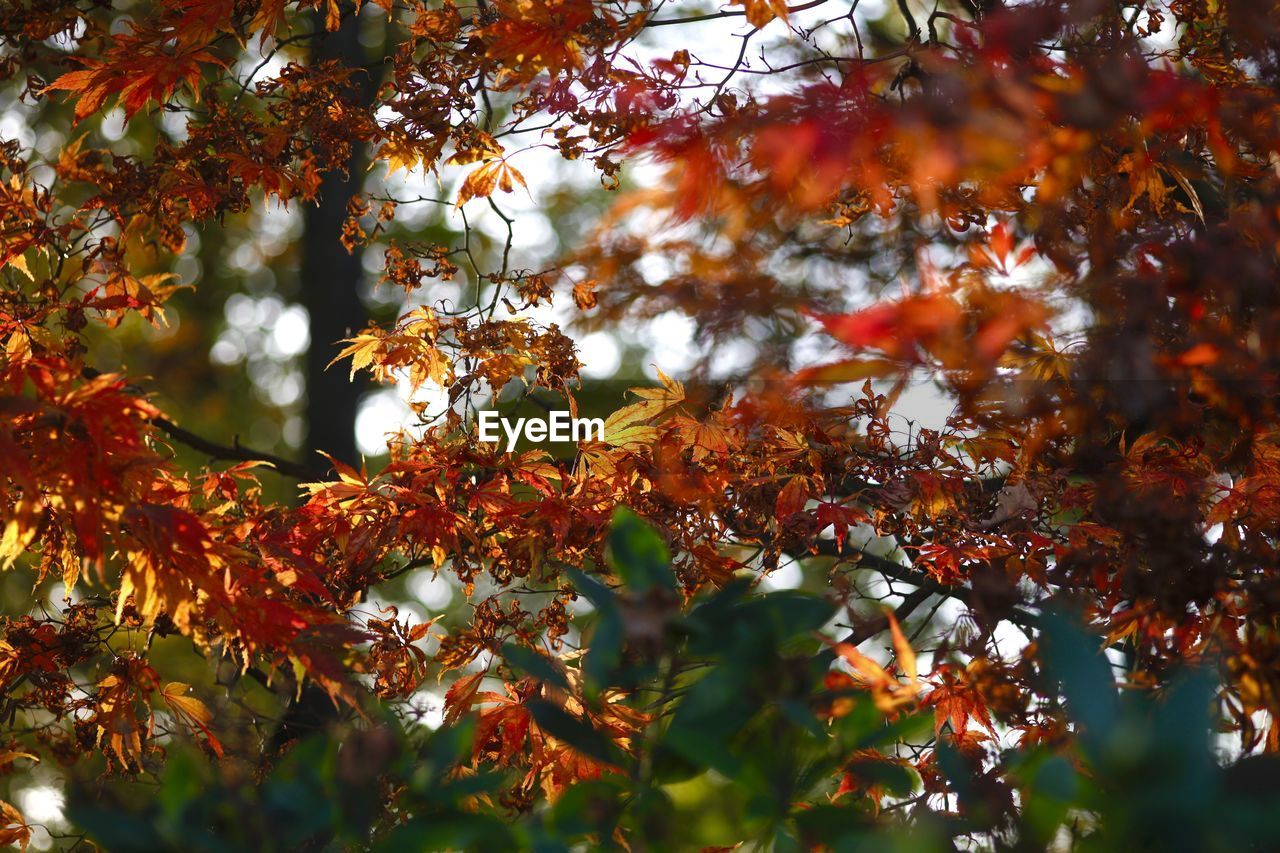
(330,276)
(330,287)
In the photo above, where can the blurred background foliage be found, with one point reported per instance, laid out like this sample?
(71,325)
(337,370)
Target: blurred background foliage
(742,745)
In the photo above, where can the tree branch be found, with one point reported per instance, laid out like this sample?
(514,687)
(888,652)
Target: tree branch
(235,451)
(906,574)
(693,19)
(869,629)
(851,484)
(910,20)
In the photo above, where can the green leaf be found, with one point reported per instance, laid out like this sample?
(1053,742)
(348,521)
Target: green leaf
(115,829)
(604,655)
(535,664)
(457,831)
(590,807)
(591,589)
(638,555)
(787,614)
(713,710)
(181,784)
(1073,659)
(458,789)
(895,778)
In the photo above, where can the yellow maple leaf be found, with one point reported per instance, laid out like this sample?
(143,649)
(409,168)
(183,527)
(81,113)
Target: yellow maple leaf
(401,152)
(119,729)
(19,532)
(621,431)
(190,712)
(362,349)
(629,425)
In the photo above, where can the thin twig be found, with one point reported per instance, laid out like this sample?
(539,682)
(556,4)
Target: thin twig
(235,451)
(693,19)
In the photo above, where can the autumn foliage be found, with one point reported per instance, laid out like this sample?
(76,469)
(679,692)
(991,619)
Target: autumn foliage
(1053,616)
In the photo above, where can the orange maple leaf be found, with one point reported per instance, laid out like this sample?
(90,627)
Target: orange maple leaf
(13,826)
(136,71)
(538,34)
(494,175)
(761,12)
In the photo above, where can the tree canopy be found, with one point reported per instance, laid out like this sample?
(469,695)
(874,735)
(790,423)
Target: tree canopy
(776,604)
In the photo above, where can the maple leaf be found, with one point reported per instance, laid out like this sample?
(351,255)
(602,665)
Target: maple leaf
(897,327)
(460,696)
(270,16)
(851,370)
(1039,358)
(119,730)
(7,756)
(622,431)
(888,693)
(136,71)
(1003,316)
(629,426)
(501,731)
(839,517)
(906,657)
(955,705)
(761,12)
(584,294)
(201,20)
(537,35)
(190,712)
(1013,501)
(363,349)
(14,828)
(20,531)
(169,557)
(401,152)
(707,438)
(1108,165)
(494,175)
(791,499)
